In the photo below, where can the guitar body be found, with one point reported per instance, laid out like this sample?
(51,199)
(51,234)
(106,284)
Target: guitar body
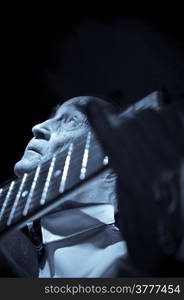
(18,257)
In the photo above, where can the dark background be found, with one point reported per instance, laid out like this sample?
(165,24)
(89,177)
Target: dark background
(46,60)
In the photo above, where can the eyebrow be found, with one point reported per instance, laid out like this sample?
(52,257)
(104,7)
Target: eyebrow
(79,107)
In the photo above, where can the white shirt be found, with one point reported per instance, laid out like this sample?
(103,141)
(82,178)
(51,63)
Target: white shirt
(82,242)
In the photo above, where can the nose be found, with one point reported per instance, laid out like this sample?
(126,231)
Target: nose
(42,131)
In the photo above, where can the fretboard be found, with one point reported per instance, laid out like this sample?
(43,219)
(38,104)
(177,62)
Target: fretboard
(42,190)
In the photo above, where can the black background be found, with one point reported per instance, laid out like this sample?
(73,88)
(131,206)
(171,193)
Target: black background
(49,59)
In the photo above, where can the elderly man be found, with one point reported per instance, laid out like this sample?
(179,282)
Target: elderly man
(80,238)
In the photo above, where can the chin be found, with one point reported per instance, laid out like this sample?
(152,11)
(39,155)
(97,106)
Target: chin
(26,165)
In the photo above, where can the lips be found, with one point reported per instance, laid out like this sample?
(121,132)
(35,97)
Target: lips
(33,149)
(35,146)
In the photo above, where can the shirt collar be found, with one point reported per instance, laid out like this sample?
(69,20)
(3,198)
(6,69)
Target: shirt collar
(71,222)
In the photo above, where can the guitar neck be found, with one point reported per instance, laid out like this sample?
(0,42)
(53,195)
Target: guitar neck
(42,190)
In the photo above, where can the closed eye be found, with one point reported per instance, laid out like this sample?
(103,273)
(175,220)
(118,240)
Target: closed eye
(69,122)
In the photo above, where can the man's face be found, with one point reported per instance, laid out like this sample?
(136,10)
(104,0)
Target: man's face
(55,134)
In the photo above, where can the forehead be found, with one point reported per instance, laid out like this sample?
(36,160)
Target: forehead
(72,105)
(77,104)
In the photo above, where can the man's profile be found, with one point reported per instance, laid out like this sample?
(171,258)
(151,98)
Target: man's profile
(80,238)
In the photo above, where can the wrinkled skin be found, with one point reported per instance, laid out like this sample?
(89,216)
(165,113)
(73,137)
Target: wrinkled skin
(69,123)
(54,135)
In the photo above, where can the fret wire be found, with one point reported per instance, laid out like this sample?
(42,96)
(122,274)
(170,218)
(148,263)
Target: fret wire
(31,206)
(36,195)
(16,200)
(29,198)
(76,161)
(26,192)
(94,144)
(6,199)
(44,166)
(47,182)
(65,170)
(85,157)
(55,196)
(38,190)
